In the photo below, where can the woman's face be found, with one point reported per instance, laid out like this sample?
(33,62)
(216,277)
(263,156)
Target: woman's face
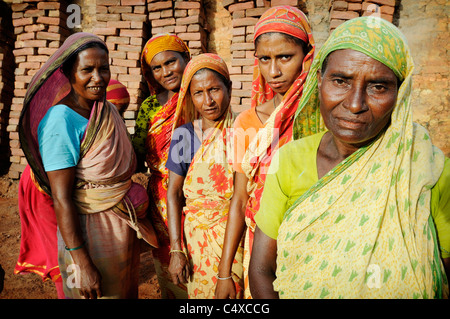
(357,96)
(90,74)
(167,69)
(211,97)
(280,61)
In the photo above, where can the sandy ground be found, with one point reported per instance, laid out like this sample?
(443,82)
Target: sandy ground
(31,286)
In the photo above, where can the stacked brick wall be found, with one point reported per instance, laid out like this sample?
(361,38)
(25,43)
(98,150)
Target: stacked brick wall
(37,28)
(6,80)
(40,29)
(340,10)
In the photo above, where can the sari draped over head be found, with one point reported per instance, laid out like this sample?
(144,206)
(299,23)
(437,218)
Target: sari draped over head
(159,124)
(208,188)
(277,130)
(364,230)
(107,160)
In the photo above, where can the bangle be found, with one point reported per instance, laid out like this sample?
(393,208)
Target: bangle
(72,249)
(178,251)
(223,278)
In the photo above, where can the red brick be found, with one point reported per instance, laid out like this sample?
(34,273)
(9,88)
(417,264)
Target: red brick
(23,51)
(340,5)
(188,20)
(48,5)
(23,21)
(133,2)
(33,13)
(105,31)
(131,33)
(343,15)
(157,6)
(244,22)
(190,36)
(19,7)
(274,3)
(108,2)
(49,20)
(163,22)
(241,6)
(134,17)
(48,36)
(384,2)
(187,5)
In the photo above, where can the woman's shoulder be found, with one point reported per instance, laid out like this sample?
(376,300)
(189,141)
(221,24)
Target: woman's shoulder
(61,113)
(247,118)
(302,145)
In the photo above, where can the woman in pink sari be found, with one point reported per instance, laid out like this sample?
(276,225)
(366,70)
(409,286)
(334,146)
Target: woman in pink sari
(81,156)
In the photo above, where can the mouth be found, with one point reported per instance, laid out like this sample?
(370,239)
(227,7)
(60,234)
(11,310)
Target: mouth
(351,123)
(276,84)
(171,80)
(96,89)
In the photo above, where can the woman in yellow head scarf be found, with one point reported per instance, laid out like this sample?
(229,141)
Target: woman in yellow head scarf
(163,61)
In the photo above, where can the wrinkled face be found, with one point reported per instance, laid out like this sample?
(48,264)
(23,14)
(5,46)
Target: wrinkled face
(211,97)
(167,69)
(280,60)
(357,96)
(90,74)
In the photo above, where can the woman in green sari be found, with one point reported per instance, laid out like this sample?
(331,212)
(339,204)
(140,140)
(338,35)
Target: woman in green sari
(361,206)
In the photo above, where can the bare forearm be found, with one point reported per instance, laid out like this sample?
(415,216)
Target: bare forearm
(263,266)
(233,235)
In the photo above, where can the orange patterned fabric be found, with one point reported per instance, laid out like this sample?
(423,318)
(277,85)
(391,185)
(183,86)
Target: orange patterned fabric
(208,189)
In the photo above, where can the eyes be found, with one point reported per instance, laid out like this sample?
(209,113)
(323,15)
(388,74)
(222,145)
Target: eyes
(283,58)
(198,93)
(170,62)
(373,87)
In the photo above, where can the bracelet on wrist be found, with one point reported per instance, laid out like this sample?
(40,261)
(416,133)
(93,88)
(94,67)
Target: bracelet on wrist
(223,278)
(178,251)
(76,248)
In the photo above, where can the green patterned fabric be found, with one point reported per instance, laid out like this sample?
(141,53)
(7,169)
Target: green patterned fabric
(364,230)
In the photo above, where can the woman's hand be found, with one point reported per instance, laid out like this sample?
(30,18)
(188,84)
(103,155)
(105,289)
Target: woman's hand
(179,268)
(90,281)
(225,289)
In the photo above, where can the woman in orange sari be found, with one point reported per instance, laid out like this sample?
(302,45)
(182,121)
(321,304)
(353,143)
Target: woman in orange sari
(163,61)
(201,178)
(284,49)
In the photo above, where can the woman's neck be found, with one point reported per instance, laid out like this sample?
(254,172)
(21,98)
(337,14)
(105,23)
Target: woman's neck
(165,96)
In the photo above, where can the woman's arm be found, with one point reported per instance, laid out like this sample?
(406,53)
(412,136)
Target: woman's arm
(61,184)
(263,266)
(233,234)
(179,266)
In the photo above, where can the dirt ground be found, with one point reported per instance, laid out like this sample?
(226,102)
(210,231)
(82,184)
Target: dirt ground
(31,286)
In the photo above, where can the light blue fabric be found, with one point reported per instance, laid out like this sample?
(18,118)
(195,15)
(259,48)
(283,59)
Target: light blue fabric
(59,135)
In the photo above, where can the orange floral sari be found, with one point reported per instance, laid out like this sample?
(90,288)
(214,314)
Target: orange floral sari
(208,189)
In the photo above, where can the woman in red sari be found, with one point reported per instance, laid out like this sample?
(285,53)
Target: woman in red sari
(284,50)
(163,61)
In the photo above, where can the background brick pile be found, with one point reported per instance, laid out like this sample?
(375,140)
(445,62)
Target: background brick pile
(31,30)
(340,10)
(39,29)
(6,79)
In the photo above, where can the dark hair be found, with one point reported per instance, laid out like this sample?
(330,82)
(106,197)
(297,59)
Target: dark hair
(305,46)
(222,78)
(67,66)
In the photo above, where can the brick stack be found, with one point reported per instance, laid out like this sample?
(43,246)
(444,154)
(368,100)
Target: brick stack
(6,81)
(123,25)
(340,11)
(40,29)
(186,19)
(245,14)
